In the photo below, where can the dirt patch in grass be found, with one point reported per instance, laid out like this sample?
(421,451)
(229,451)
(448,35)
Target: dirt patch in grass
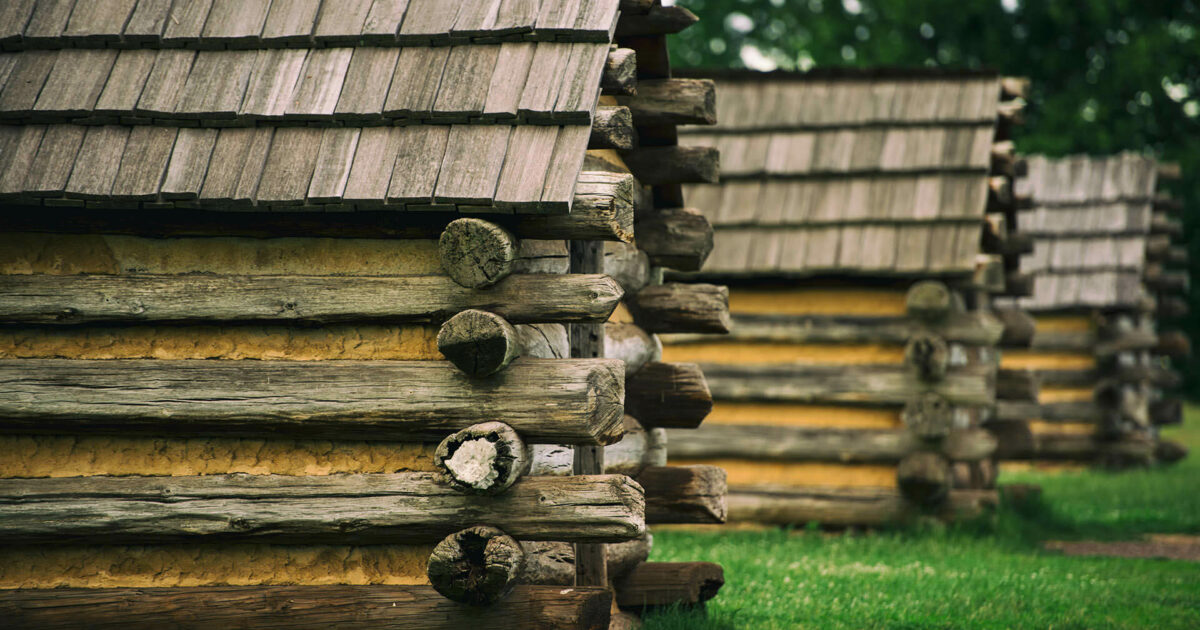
(1166,546)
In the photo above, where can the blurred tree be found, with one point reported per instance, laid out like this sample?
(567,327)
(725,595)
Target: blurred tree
(1107,75)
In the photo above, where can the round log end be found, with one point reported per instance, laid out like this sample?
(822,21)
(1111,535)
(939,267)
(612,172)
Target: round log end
(476,253)
(929,416)
(477,565)
(478,343)
(485,458)
(929,355)
(924,478)
(929,300)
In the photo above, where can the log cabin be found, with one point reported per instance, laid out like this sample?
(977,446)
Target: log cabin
(863,223)
(297,297)
(1102,273)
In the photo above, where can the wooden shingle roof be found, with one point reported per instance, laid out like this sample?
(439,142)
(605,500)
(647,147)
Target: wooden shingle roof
(419,104)
(859,173)
(1090,220)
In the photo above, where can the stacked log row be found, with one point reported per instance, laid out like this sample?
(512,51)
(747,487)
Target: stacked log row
(1100,268)
(854,228)
(290,297)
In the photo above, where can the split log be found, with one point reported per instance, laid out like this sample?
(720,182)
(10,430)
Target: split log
(478,565)
(848,507)
(1167,411)
(1164,280)
(404,508)
(675,307)
(628,265)
(1165,202)
(612,128)
(476,253)
(1121,341)
(622,620)
(845,384)
(620,71)
(928,355)
(1170,451)
(546,400)
(553,563)
(1000,194)
(632,345)
(1171,307)
(929,416)
(478,342)
(1128,450)
(485,458)
(1170,170)
(669,584)
(1083,411)
(678,238)
(924,478)
(1014,440)
(86,299)
(1019,327)
(976,328)
(286,607)
(661,20)
(668,395)
(1017,385)
(673,102)
(929,300)
(672,164)
(684,494)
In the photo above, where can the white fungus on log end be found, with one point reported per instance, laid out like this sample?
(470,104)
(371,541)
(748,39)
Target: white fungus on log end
(485,458)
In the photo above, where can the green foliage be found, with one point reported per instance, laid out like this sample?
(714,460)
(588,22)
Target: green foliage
(1108,75)
(984,575)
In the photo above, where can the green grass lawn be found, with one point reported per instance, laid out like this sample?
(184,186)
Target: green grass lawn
(982,575)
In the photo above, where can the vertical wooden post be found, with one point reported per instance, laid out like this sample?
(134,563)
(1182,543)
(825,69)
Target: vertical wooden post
(587,341)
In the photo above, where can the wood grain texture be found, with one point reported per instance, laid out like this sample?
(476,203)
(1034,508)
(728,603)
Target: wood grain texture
(849,507)
(669,584)
(666,395)
(682,308)
(560,401)
(855,385)
(684,494)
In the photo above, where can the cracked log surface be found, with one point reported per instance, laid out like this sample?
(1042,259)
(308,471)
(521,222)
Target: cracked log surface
(477,253)
(546,400)
(485,458)
(80,299)
(478,342)
(403,508)
(478,565)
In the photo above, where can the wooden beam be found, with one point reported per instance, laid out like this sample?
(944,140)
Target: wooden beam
(973,328)
(848,507)
(1171,307)
(286,607)
(612,128)
(87,299)
(660,20)
(1014,87)
(673,102)
(1166,281)
(1019,327)
(675,307)
(845,384)
(1170,170)
(668,395)
(673,164)
(545,400)
(628,265)
(403,508)
(1165,202)
(1174,343)
(684,494)
(478,342)
(654,584)
(1012,112)
(632,345)
(678,238)
(1162,223)
(1166,411)
(1017,385)
(620,72)
(819,444)
(1004,156)
(1017,284)
(1083,411)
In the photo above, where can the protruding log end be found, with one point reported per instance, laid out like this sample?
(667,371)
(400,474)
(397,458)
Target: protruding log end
(478,342)
(477,253)
(477,565)
(929,416)
(1019,327)
(1169,452)
(1022,385)
(968,445)
(679,238)
(668,395)
(632,345)
(675,307)
(929,300)
(1174,343)
(929,355)
(620,72)
(485,458)
(924,478)
(1167,411)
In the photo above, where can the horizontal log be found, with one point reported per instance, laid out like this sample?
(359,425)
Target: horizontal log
(973,328)
(637,449)
(668,395)
(1162,223)
(620,72)
(545,400)
(1014,439)
(1076,341)
(848,507)
(1014,87)
(628,265)
(673,102)
(845,384)
(1171,307)
(1177,255)
(553,563)
(485,458)
(1166,281)
(1012,113)
(673,164)
(1090,448)
(404,508)
(478,565)
(1166,411)
(676,307)
(1017,385)
(1170,451)
(1003,155)
(1167,203)
(86,299)
(1157,246)
(476,253)
(1019,328)
(924,478)
(1000,195)
(612,128)
(684,494)
(1018,284)
(654,584)
(818,444)
(632,345)
(284,607)
(602,210)
(660,20)
(1170,170)
(678,238)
